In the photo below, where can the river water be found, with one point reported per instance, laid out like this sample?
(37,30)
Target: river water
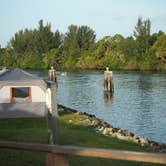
(138,103)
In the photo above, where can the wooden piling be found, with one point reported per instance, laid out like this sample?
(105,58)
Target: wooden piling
(108,81)
(52,74)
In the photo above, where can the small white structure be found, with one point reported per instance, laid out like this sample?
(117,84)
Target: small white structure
(22,94)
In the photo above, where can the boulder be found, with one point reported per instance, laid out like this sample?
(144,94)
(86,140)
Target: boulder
(107,131)
(94,123)
(127,133)
(136,139)
(78,113)
(113,134)
(101,129)
(143,140)
(121,137)
(87,121)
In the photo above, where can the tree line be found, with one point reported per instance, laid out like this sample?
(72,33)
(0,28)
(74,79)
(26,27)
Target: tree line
(41,48)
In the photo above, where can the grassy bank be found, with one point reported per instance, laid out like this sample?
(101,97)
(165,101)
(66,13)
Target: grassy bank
(74,129)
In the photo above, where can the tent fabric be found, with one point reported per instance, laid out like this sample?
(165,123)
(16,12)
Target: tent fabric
(20,110)
(19,77)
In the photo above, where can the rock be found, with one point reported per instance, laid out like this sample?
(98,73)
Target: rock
(157,146)
(105,124)
(115,130)
(119,131)
(113,134)
(130,138)
(121,137)
(85,113)
(131,134)
(91,116)
(107,131)
(110,130)
(78,113)
(136,139)
(101,129)
(87,121)
(143,140)
(98,127)
(60,109)
(127,133)
(94,123)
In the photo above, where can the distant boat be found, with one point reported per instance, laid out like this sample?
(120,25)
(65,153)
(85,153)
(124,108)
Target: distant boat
(3,71)
(64,73)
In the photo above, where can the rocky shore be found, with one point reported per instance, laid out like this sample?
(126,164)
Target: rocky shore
(107,129)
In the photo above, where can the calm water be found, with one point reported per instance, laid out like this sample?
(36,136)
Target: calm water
(138,103)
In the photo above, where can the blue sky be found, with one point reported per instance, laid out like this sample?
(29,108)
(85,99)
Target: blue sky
(106,17)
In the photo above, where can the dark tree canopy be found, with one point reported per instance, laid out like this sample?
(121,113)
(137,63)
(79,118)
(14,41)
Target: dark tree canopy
(78,48)
(38,40)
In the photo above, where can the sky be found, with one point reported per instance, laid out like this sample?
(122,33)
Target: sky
(106,17)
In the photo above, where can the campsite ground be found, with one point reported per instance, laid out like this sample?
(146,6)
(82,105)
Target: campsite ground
(73,130)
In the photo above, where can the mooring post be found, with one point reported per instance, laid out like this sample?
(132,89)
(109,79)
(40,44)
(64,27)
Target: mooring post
(108,81)
(52,109)
(52,74)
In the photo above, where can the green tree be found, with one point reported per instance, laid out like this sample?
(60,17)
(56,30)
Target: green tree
(31,61)
(159,48)
(103,47)
(127,47)
(39,40)
(78,38)
(45,39)
(7,58)
(70,40)
(53,58)
(142,35)
(154,36)
(85,37)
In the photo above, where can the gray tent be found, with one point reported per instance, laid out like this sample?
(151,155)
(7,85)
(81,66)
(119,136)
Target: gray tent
(21,94)
(16,77)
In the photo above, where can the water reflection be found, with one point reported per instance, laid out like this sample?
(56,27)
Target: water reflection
(108,98)
(145,84)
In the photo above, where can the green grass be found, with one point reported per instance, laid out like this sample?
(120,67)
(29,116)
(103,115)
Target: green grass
(73,130)
(31,130)
(23,130)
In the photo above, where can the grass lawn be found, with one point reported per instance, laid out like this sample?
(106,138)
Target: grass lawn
(73,130)
(23,130)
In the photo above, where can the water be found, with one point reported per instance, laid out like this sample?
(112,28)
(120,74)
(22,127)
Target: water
(138,103)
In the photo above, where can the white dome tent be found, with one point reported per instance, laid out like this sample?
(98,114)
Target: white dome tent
(22,94)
